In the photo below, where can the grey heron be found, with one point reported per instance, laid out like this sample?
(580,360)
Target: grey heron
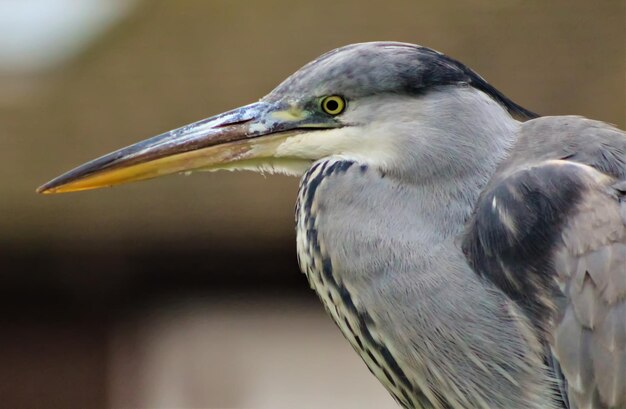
(473,253)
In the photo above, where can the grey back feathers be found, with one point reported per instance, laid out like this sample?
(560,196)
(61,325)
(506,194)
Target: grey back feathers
(550,231)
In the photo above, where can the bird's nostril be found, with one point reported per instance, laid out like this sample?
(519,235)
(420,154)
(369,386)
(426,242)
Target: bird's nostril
(231,123)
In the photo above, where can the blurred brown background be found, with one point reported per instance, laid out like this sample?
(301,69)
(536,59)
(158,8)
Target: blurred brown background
(184,292)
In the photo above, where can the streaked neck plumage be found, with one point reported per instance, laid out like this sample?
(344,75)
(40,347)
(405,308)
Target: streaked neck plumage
(376,241)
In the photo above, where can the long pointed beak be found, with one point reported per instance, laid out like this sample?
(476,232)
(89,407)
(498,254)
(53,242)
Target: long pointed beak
(212,143)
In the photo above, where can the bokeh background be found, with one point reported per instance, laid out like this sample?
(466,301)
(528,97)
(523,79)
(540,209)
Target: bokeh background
(184,292)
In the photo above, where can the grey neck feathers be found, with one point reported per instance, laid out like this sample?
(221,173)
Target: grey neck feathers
(460,138)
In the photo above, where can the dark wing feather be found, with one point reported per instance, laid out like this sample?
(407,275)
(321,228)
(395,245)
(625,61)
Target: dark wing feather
(550,231)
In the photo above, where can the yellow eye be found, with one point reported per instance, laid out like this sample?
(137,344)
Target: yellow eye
(333,105)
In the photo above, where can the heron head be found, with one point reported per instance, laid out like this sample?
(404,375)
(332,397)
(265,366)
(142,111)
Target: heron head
(384,104)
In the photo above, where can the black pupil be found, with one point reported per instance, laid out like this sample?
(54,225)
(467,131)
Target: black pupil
(332,105)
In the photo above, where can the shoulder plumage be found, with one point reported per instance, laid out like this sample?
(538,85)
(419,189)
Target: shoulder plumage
(550,231)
